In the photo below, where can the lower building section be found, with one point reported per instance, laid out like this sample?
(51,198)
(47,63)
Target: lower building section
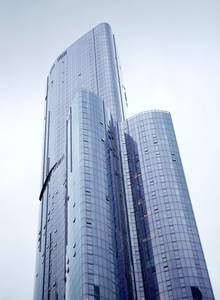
(116,220)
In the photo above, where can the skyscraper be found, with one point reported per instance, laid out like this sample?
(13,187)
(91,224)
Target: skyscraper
(167,254)
(116,220)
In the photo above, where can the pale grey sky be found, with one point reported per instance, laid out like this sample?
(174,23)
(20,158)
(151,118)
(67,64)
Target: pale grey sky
(169,51)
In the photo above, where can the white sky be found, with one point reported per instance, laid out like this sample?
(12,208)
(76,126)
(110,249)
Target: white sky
(169,51)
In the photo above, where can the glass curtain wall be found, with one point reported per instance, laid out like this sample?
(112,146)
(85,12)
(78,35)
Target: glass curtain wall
(166,249)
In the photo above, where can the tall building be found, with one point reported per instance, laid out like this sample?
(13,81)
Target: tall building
(115,219)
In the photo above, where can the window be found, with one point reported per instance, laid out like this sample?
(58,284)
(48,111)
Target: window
(96,290)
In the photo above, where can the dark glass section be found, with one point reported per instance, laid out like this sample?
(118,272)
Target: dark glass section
(96,290)
(120,230)
(141,220)
(197,295)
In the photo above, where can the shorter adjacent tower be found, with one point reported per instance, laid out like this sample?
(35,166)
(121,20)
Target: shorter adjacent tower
(166,250)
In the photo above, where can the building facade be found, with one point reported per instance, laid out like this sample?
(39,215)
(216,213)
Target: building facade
(115,219)
(166,249)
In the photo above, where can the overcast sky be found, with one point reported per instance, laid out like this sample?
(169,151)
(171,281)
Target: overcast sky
(169,51)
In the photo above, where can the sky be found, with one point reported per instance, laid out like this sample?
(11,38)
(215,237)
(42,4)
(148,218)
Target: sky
(169,51)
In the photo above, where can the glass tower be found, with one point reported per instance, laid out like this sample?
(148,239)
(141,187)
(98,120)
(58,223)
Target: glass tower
(115,219)
(167,254)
